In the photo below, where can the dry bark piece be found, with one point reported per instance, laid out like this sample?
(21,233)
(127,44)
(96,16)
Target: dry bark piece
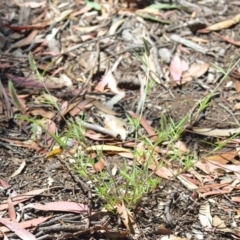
(189,43)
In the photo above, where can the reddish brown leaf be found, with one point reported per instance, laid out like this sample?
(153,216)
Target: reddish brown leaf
(59,206)
(145,124)
(161,171)
(78,107)
(237,86)
(126,217)
(18,230)
(27,224)
(11,210)
(100,165)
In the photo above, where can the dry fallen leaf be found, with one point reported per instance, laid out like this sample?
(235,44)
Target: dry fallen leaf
(116,125)
(19,170)
(196,70)
(18,230)
(127,218)
(59,206)
(43,113)
(219,224)
(216,132)
(222,25)
(145,124)
(237,86)
(236,106)
(115,26)
(187,183)
(223,158)
(107,148)
(100,165)
(27,224)
(205,215)
(172,237)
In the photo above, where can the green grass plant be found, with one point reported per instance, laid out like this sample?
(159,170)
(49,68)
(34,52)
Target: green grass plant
(131,180)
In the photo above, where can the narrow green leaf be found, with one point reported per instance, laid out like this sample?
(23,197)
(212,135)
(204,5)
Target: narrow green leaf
(31,62)
(13,94)
(163,122)
(151,17)
(93,5)
(146,47)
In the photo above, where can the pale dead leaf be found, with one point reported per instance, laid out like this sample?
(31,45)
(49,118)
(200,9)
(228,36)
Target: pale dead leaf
(161,171)
(64,107)
(114,169)
(121,94)
(186,183)
(104,108)
(186,77)
(32,4)
(43,113)
(63,80)
(205,215)
(181,146)
(216,132)
(87,29)
(196,70)
(116,25)
(222,25)
(107,148)
(53,43)
(219,224)
(19,170)
(172,237)
(236,106)
(211,166)
(115,125)
(223,158)
(108,80)
(126,217)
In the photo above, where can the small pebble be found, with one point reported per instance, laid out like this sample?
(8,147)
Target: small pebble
(165,55)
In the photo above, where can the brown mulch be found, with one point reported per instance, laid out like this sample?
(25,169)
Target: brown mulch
(86,45)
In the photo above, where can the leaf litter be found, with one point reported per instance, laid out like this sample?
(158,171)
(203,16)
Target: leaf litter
(65,123)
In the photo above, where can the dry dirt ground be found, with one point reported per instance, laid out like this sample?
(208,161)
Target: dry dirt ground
(73,46)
